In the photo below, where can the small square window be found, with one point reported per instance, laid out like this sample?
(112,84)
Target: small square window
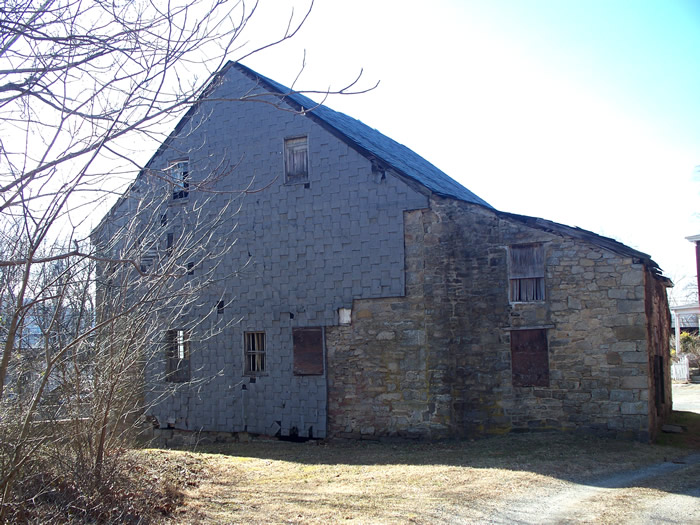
(254,352)
(529,357)
(179,176)
(178,356)
(296,160)
(526,273)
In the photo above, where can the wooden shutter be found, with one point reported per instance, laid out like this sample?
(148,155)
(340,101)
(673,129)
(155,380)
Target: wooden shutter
(296,159)
(530,358)
(308,351)
(526,261)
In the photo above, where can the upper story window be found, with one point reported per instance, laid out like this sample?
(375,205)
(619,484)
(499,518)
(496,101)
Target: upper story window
(526,273)
(179,175)
(178,356)
(296,159)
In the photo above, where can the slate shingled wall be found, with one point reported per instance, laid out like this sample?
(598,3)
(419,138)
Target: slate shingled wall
(300,252)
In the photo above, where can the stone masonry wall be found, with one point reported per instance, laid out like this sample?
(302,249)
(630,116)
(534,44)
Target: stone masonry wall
(437,362)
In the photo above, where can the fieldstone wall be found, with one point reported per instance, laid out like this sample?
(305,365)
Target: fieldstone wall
(437,363)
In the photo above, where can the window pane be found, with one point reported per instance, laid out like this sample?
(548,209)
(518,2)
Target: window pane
(179,174)
(178,356)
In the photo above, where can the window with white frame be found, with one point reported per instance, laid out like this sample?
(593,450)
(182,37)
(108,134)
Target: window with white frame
(526,273)
(296,160)
(179,175)
(178,356)
(254,352)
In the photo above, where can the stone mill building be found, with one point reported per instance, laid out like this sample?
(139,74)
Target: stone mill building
(364,293)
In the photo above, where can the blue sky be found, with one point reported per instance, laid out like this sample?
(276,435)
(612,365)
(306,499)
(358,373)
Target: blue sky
(581,112)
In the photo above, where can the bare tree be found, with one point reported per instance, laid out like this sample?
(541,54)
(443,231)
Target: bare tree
(83,85)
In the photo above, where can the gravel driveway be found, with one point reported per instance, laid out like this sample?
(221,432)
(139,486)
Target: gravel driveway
(686,397)
(667,492)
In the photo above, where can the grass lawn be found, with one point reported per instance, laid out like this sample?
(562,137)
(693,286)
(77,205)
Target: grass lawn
(269,481)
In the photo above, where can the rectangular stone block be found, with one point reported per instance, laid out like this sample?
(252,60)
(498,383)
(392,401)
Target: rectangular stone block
(640,382)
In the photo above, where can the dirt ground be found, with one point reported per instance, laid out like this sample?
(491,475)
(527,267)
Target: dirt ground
(534,478)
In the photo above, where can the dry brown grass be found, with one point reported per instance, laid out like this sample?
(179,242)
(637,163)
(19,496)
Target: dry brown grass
(280,482)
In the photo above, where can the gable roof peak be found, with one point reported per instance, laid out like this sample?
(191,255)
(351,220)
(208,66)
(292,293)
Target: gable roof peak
(368,141)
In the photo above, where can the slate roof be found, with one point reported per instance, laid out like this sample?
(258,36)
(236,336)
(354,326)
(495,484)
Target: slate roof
(371,142)
(590,237)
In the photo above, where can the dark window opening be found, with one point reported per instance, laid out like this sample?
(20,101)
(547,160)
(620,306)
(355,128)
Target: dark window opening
(526,273)
(254,352)
(220,307)
(308,351)
(179,176)
(169,244)
(659,383)
(296,160)
(164,219)
(190,268)
(529,357)
(178,356)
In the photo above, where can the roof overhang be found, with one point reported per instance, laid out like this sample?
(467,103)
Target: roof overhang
(684,309)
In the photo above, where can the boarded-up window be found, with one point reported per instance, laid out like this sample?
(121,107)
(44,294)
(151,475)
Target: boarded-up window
(659,384)
(529,357)
(178,356)
(254,352)
(296,159)
(308,351)
(526,273)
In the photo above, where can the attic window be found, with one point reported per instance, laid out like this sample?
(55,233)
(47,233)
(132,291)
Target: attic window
(526,273)
(179,172)
(296,160)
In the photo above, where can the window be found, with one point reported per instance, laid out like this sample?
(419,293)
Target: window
(164,219)
(179,175)
(659,383)
(254,352)
(169,243)
(308,351)
(220,307)
(529,357)
(296,160)
(178,356)
(190,268)
(526,273)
